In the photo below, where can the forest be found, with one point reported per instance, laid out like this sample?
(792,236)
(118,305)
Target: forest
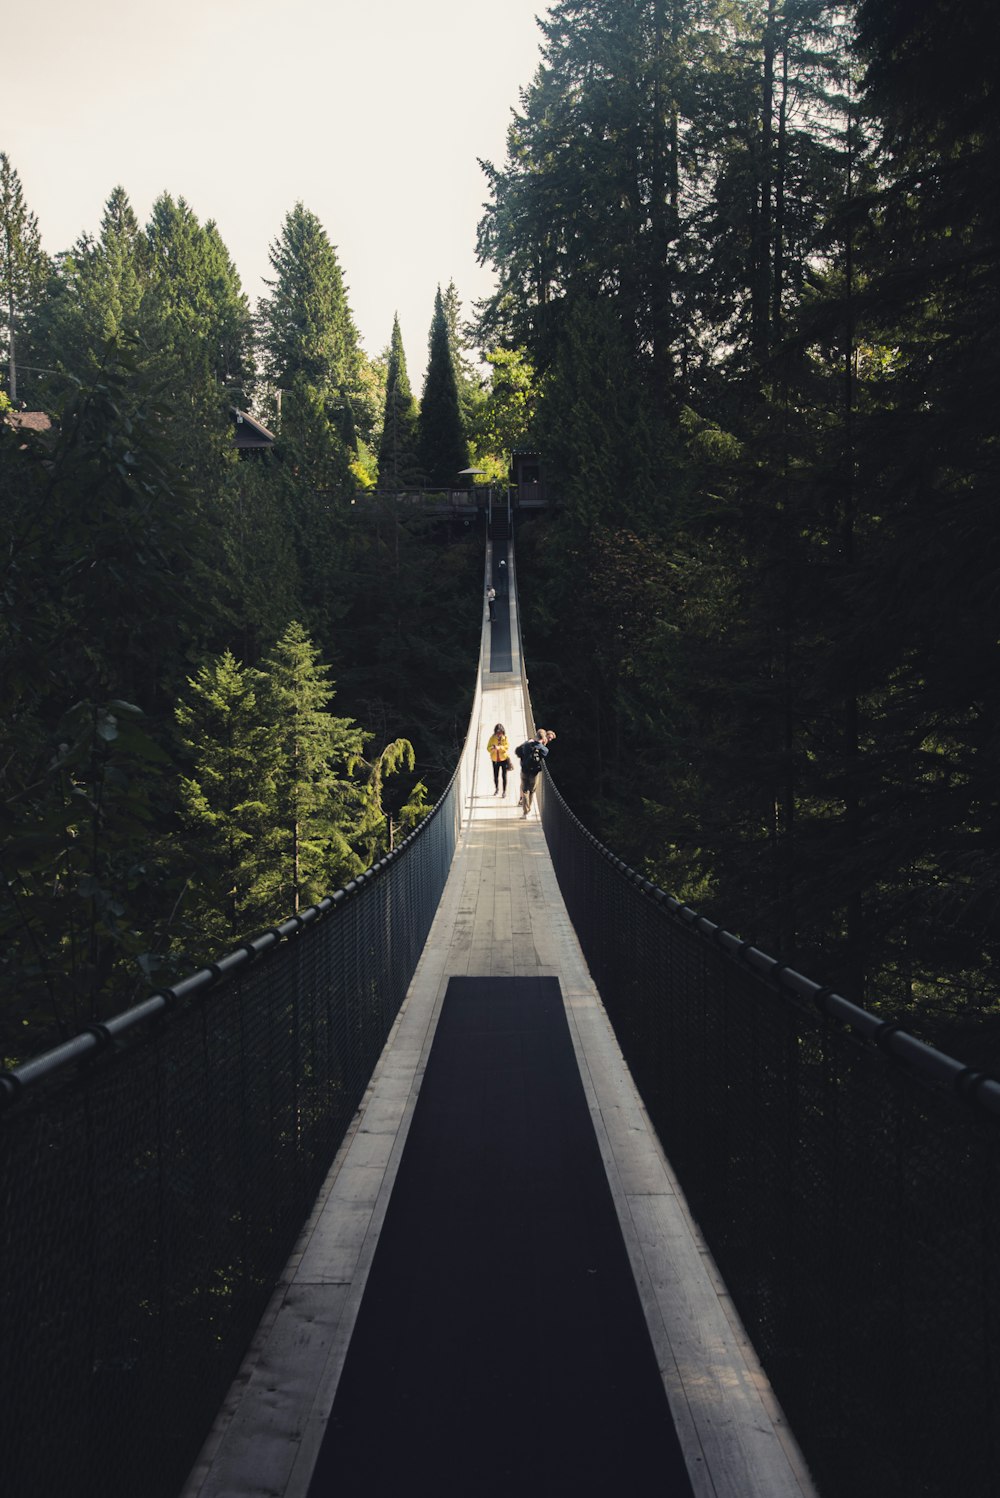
(747,290)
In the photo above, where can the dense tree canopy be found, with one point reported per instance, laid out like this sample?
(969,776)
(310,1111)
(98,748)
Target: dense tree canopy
(171,777)
(753,250)
(22,264)
(748,275)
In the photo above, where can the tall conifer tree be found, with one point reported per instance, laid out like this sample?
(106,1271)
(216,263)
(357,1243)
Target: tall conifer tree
(316,807)
(305,323)
(444,451)
(310,350)
(229,799)
(398,465)
(94,297)
(468,384)
(22,262)
(195,313)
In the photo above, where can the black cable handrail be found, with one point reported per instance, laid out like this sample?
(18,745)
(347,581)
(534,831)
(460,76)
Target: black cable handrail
(95,1037)
(924,1060)
(844,1174)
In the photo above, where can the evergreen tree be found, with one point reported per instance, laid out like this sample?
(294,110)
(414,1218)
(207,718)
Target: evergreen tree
(229,801)
(305,325)
(597,189)
(467,382)
(443,448)
(23,264)
(310,351)
(93,300)
(397,455)
(196,320)
(317,806)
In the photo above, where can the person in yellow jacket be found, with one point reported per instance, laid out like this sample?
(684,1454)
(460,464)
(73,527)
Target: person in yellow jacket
(498,750)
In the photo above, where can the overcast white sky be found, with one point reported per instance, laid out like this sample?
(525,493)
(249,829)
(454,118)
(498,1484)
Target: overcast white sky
(372,112)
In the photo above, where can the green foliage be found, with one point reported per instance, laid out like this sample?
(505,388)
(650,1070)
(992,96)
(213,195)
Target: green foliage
(306,329)
(281,806)
(143,563)
(23,265)
(373,834)
(229,801)
(168,303)
(194,308)
(398,463)
(460,341)
(84,890)
(775,544)
(442,446)
(94,296)
(317,807)
(505,418)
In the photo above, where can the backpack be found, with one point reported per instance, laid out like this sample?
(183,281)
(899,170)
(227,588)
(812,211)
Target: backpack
(530,756)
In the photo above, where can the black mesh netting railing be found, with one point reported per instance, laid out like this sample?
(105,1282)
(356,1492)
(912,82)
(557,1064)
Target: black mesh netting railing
(845,1176)
(156,1172)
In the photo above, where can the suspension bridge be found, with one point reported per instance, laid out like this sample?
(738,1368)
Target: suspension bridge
(499,1172)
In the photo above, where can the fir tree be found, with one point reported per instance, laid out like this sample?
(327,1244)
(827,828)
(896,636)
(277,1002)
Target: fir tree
(22,263)
(398,467)
(229,800)
(195,315)
(305,324)
(93,301)
(317,806)
(467,382)
(443,448)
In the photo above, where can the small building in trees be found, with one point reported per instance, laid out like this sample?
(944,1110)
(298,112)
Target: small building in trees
(252,439)
(528,488)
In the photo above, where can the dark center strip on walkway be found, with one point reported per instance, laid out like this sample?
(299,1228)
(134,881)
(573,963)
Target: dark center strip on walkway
(500,652)
(500,1347)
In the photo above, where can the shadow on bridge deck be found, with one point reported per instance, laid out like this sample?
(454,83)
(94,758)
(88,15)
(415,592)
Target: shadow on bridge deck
(439,1328)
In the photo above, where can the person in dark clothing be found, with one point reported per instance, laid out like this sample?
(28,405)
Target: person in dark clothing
(532,754)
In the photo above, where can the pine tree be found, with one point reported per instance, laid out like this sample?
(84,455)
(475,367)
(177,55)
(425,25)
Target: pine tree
(317,807)
(93,301)
(398,467)
(443,448)
(467,382)
(23,264)
(196,320)
(229,801)
(305,325)
(597,185)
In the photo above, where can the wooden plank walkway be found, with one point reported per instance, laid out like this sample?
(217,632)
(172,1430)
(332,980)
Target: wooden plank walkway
(501,914)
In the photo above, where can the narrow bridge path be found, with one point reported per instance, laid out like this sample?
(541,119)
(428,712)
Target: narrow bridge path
(500,1290)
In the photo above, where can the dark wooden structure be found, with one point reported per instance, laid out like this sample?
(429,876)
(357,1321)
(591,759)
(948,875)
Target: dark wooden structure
(252,439)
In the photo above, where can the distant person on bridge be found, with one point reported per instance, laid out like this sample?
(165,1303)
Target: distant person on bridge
(532,754)
(491,599)
(498,749)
